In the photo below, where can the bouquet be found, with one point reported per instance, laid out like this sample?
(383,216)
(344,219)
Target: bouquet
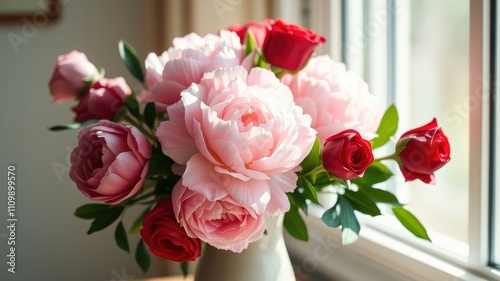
(228,130)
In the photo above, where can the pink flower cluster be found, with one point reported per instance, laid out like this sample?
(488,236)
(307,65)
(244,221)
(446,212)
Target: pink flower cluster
(221,133)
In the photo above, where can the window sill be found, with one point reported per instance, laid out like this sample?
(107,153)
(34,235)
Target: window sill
(375,256)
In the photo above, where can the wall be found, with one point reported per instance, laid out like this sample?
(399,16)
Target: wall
(51,243)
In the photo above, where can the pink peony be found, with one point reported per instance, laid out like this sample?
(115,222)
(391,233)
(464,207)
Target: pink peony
(110,162)
(102,100)
(239,134)
(222,223)
(335,98)
(186,62)
(67,81)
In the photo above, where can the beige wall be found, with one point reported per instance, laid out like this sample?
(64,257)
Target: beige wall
(51,243)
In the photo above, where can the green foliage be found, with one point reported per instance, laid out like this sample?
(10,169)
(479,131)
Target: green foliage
(309,192)
(387,128)
(150,114)
(131,60)
(106,218)
(297,200)
(380,196)
(142,256)
(250,42)
(74,126)
(342,214)
(137,224)
(312,159)
(91,211)
(411,223)
(132,105)
(362,203)
(121,237)
(295,225)
(184,268)
(376,173)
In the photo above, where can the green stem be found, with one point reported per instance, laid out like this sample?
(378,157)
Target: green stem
(140,126)
(317,170)
(388,157)
(144,196)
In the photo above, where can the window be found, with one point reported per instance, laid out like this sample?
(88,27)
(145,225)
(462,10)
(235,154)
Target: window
(433,59)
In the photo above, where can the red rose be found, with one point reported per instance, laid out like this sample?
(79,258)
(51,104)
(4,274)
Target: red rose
(347,155)
(427,149)
(259,30)
(102,100)
(289,46)
(165,237)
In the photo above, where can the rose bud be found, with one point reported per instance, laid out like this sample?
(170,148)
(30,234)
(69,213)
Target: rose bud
(67,81)
(289,46)
(427,149)
(102,100)
(258,29)
(110,162)
(347,155)
(165,237)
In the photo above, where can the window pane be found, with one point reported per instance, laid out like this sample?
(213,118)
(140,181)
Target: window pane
(439,87)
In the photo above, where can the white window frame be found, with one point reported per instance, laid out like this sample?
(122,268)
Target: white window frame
(377,255)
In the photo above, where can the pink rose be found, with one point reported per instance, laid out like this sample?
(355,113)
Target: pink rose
(258,29)
(427,149)
(335,98)
(244,127)
(289,46)
(346,155)
(186,62)
(222,223)
(67,81)
(102,100)
(110,162)
(165,237)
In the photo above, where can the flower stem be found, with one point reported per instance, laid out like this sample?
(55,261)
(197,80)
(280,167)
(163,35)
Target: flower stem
(134,122)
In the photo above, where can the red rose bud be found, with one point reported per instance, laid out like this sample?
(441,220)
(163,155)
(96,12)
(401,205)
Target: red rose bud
(347,155)
(289,46)
(165,237)
(102,100)
(427,149)
(258,29)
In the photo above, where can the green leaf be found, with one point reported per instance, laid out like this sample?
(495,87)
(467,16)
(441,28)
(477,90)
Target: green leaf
(74,126)
(184,268)
(309,190)
(159,164)
(312,159)
(387,128)
(131,60)
(376,173)
(150,114)
(250,42)
(380,196)
(361,202)
(411,223)
(297,200)
(121,237)
(137,224)
(91,211)
(295,225)
(104,219)
(142,256)
(132,105)
(342,214)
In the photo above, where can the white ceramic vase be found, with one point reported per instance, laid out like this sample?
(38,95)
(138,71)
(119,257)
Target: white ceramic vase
(264,260)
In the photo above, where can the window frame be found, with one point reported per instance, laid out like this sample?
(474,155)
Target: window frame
(382,255)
